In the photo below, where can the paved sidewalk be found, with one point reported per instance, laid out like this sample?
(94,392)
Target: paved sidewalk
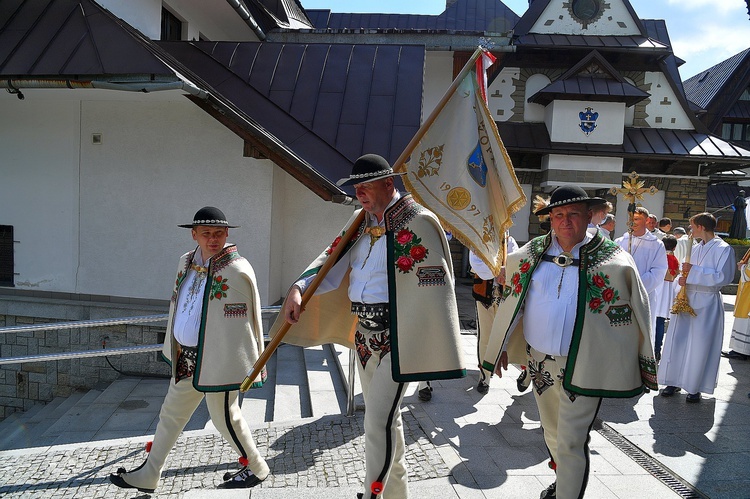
(460,445)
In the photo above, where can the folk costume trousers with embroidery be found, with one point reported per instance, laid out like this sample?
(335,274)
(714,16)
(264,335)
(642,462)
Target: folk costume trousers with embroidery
(566,421)
(385,461)
(178,406)
(485,318)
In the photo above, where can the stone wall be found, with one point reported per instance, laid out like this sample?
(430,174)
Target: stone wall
(25,384)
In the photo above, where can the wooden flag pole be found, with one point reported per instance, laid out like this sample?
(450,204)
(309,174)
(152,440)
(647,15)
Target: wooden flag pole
(331,260)
(309,291)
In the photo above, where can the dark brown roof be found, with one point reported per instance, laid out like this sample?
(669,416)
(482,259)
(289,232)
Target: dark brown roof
(483,16)
(649,143)
(328,103)
(591,41)
(589,88)
(704,87)
(69,38)
(721,195)
(592,78)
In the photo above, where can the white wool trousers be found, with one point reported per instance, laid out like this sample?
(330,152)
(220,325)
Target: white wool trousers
(179,405)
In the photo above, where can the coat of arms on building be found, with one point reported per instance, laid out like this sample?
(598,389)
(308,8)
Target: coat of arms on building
(588,120)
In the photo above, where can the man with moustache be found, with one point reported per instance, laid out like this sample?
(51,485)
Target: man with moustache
(577,315)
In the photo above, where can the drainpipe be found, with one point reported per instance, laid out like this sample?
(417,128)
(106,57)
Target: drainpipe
(241,9)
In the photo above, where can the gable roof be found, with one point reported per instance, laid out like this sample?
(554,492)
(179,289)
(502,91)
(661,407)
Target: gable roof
(483,16)
(592,78)
(312,109)
(703,87)
(537,8)
(70,38)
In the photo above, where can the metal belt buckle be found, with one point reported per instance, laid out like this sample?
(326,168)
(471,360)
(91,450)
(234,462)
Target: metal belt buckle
(563,259)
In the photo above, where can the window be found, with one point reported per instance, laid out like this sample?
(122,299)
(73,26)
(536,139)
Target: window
(745,95)
(6,255)
(171,26)
(726,130)
(738,132)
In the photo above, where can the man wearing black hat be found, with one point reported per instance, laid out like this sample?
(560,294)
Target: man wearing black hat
(581,325)
(391,297)
(214,338)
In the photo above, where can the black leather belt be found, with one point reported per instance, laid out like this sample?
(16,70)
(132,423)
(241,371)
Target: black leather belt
(369,309)
(562,260)
(372,316)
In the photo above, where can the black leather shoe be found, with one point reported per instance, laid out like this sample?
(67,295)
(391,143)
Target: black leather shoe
(243,479)
(425,394)
(669,391)
(521,381)
(118,480)
(549,492)
(734,355)
(483,387)
(693,398)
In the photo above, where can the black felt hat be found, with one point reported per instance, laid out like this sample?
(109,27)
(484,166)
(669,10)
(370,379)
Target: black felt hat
(211,217)
(368,168)
(569,194)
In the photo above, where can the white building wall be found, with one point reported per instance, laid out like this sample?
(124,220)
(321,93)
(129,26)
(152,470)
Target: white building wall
(215,19)
(563,122)
(615,20)
(500,94)
(101,219)
(438,77)
(39,189)
(664,110)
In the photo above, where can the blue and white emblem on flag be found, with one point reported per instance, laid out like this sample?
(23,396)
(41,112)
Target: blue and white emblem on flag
(588,120)
(477,167)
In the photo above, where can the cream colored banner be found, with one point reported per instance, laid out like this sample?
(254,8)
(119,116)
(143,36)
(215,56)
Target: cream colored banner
(461,171)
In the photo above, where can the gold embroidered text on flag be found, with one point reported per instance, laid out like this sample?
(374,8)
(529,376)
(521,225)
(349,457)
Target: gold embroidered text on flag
(461,171)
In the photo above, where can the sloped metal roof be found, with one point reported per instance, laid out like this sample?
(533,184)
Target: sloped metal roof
(69,38)
(654,143)
(592,78)
(703,87)
(328,103)
(590,41)
(740,109)
(484,16)
(589,88)
(721,195)
(657,29)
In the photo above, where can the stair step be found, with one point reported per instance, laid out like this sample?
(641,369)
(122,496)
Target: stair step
(292,397)
(48,408)
(257,403)
(342,357)
(71,420)
(323,378)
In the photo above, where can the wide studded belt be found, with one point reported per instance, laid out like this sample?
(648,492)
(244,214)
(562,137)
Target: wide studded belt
(372,316)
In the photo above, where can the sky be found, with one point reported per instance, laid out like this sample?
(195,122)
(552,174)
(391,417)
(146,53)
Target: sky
(703,32)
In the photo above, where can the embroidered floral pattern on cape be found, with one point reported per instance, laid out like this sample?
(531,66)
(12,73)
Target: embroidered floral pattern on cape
(408,250)
(520,279)
(219,288)
(599,293)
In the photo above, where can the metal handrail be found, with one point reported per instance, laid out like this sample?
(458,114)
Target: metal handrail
(78,324)
(104,352)
(128,350)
